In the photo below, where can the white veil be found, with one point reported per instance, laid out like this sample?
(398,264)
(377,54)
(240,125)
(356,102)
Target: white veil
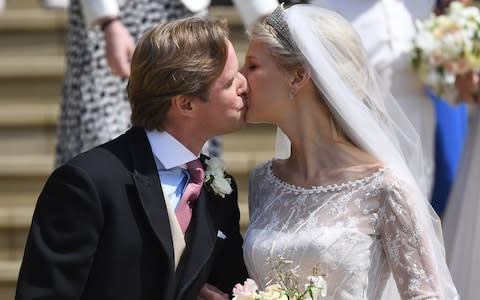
(366,112)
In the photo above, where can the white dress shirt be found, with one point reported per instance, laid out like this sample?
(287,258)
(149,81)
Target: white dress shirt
(171,157)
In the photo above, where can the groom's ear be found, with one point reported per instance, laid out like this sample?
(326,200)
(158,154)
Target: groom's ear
(182,104)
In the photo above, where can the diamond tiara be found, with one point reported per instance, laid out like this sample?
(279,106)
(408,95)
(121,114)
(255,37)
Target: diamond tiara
(277,20)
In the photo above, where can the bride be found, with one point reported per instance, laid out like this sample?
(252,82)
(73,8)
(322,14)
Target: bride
(342,193)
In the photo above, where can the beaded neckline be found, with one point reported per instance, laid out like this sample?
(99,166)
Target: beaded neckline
(321,188)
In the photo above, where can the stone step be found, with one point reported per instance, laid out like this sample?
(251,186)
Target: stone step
(28,113)
(9,272)
(45,29)
(25,197)
(40,89)
(12,217)
(29,165)
(254,137)
(14,226)
(23,4)
(23,143)
(39,33)
(8,278)
(25,44)
(35,17)
(32,19)
(33,67)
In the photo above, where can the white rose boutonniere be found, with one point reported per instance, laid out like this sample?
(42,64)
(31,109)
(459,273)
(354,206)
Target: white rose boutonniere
(215,177)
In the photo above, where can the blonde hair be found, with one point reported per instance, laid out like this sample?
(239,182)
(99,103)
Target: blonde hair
(182,57)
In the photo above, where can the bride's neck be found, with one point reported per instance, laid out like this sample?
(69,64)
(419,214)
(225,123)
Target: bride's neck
(318,147)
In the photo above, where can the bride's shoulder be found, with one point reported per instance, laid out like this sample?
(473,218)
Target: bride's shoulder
(396,186)
(261,169)
(389,180)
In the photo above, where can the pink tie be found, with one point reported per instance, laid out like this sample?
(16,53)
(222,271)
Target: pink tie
(191,193)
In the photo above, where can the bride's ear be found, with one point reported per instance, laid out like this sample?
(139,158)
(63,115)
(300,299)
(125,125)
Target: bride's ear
(300,77)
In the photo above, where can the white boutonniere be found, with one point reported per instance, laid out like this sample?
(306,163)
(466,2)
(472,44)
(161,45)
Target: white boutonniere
(215,177)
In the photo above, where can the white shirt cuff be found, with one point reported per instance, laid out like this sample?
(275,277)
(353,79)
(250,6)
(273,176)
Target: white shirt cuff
(93,10)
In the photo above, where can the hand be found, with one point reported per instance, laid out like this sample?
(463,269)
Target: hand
(119,48)
(443,5)
(468,87)
(209,292)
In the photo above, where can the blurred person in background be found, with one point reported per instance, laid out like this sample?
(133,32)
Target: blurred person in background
(55,4)
(101,36)
(461,224)
(450,134)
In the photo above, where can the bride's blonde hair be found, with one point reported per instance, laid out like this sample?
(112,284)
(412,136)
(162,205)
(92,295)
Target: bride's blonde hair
(288,56)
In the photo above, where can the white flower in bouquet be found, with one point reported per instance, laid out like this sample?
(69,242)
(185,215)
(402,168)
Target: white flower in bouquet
(247,291)
(446,46)
(317,285)
(283,285)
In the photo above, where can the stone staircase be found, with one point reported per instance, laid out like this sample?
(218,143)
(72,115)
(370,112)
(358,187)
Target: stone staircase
(31,70)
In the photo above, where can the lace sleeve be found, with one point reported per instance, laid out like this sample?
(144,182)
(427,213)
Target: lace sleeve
(407,246)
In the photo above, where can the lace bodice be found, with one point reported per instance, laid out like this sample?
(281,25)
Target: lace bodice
(357,233)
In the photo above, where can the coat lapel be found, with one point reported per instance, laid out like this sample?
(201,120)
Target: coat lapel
(149,189)
(201,238)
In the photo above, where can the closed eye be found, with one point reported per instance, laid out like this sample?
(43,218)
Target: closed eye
(229,83)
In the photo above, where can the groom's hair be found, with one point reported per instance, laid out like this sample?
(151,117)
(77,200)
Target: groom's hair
(182,57)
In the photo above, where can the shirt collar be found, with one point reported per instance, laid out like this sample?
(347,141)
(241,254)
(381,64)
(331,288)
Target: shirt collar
(168,150)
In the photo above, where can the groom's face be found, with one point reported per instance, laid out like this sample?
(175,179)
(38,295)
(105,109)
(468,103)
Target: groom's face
(225,107)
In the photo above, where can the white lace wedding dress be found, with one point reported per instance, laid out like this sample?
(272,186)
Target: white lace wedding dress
(355,232)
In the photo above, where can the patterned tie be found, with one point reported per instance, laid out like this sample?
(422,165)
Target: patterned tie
(192,191)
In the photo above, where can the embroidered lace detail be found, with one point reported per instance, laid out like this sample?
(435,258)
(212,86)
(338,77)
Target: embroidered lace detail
(358,233)
(321,188)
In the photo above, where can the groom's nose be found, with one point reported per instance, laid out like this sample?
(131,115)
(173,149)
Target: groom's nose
(243,86)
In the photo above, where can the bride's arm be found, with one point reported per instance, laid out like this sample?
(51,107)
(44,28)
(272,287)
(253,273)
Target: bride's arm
(408,240)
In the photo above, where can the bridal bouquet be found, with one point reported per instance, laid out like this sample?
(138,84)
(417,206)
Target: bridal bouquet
(283,285)
(446,46)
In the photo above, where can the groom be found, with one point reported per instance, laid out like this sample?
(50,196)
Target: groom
(132,219)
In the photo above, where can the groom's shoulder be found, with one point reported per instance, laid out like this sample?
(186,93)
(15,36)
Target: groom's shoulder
(106,157)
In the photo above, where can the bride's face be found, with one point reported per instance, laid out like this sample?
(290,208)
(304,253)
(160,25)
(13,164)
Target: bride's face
(268,88)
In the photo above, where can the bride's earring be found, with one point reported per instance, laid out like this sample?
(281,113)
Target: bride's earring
(291,94)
